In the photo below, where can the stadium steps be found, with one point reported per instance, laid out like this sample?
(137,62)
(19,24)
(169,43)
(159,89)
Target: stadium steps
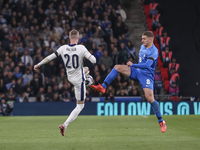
(135,21)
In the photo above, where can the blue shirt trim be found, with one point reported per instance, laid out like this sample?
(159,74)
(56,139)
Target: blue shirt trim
(71,44)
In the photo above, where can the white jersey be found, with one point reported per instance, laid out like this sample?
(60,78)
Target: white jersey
(73,56)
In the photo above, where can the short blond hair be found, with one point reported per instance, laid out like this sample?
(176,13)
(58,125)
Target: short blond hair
(74,34)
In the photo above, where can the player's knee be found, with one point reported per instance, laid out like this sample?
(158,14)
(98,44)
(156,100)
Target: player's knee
(149,98)
(117,67)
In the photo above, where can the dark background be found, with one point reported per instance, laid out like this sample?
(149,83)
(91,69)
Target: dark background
(181,19)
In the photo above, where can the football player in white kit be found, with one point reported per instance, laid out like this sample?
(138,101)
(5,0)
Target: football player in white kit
(72,55)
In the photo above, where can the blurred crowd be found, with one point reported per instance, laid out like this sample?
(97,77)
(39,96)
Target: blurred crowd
(167,70)
(30,30)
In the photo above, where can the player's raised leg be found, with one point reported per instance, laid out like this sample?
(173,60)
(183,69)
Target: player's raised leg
(123,69)
(80,94)
(156,108)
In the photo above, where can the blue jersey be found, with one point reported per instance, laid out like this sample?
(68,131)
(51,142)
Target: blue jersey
(149,53)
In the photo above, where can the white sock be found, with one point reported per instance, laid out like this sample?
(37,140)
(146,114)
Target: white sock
(73,115)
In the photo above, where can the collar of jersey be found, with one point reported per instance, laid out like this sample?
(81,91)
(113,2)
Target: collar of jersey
(71,44)
(149,47)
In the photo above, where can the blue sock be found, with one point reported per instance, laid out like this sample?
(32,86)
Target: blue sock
(110,77)
(156,109)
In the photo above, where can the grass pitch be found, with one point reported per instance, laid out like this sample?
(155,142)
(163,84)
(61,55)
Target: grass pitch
(100,133)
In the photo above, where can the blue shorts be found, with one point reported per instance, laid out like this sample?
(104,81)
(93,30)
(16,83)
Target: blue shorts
(145,80)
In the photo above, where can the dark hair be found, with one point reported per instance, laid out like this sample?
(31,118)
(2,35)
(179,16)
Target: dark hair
(148,34)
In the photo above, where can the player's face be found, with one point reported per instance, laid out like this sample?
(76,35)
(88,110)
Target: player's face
(145,40)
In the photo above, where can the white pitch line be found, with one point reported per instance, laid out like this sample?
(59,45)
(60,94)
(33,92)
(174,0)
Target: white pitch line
(145,116)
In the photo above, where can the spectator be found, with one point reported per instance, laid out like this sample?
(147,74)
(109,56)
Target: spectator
(115,56)
(166,56)
(40,97)
(106,60)
(17,73)
(155,20)
(134,92)
(3,20)
(50,69)
(31,49)
(173,65)
(159,32)
(4,108)
(106,22)
(11,95)
(164,40)
(89,44)
(29,91)
(96,39)
(152,8)
(122,92)
(121,12)
(25,59)
(56,98)
(108,30)
(8,78)
(109,95)
(16,57)
(173,89)
(20,48)
(28,76)
(24,97)
(158,81)
(25,23)
(49,95)
(103,43)
(6,42)
(123,53)
(83,39)
(131,50)
(35,84)
(98,53)
(58,29)
(174,77)
(19,87)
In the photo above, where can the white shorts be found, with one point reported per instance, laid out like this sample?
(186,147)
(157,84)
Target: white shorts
(79,85)
(80,91)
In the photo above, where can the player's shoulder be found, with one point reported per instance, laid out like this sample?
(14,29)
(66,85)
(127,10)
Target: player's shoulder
(142,47)
(62,47)
(80,46)
(154,49)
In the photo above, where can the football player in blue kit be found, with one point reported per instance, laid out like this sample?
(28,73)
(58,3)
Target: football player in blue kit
(143,72)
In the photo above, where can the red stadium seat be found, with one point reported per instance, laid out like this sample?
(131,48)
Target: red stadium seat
(166,84)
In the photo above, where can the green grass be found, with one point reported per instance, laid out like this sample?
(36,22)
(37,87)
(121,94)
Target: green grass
(100,133)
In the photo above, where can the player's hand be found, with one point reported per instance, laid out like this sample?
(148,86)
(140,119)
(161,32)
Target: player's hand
(36,67)
(129,63)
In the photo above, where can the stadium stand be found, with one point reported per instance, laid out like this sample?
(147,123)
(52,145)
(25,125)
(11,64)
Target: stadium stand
(31,30)
(162,42)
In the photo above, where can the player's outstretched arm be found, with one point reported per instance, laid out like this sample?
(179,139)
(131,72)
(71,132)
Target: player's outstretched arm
(92,59)
(88,55)
(45,60)
(148,63)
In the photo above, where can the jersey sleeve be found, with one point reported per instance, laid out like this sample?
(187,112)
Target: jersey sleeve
(59,51)
(89,56)
(86,54)
(153,55)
